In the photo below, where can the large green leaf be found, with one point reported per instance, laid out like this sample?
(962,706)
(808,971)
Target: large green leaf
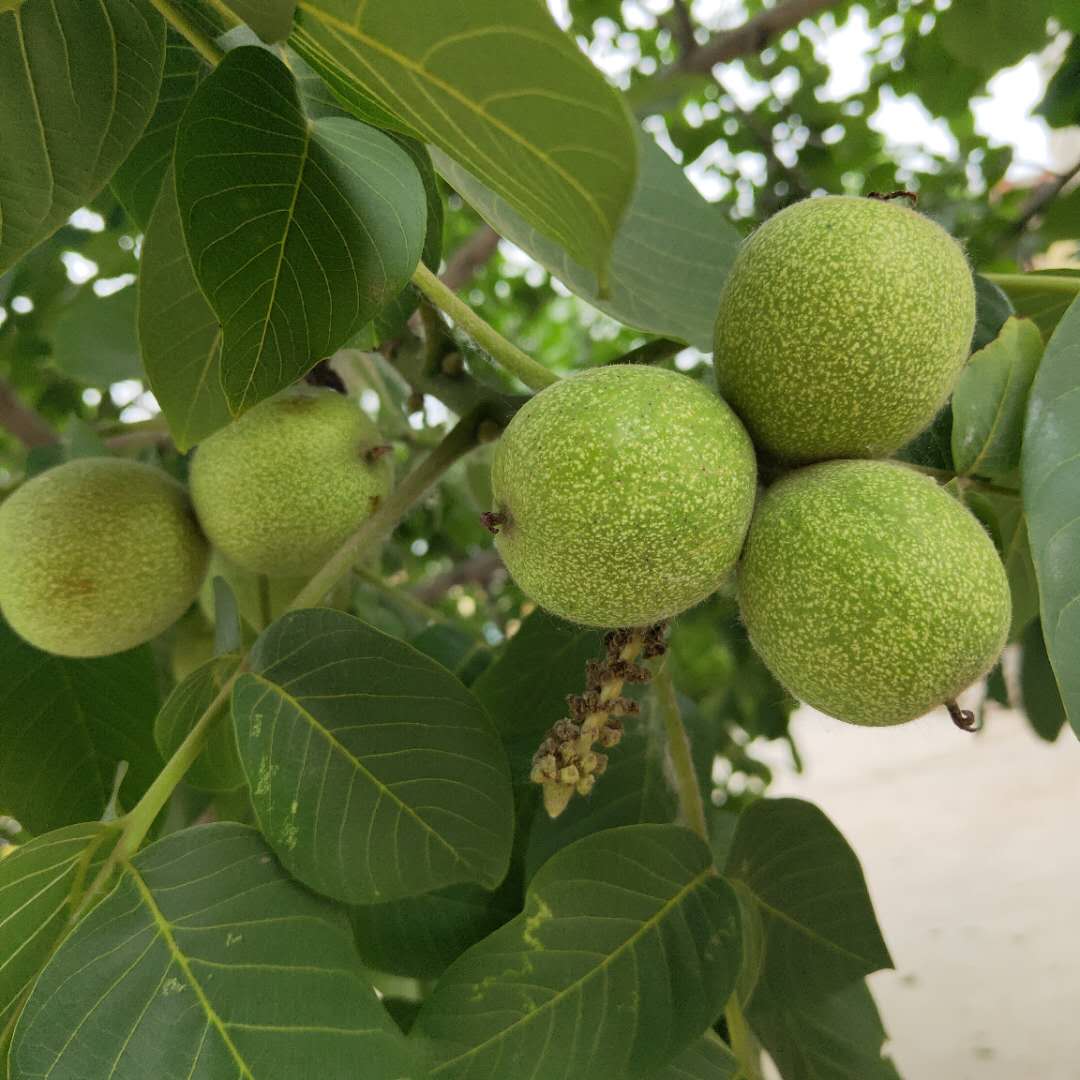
(40,885)
(1038,687)
(65,725)
(988,35)
(1003,516)
(422,935)
(270,19)
(803,880)
(178,332)
(626,951)
(206,960)
(839,1037)
(497,86)
(217,768)
(671,253)
(299,231)
(708,1059)
(525,689)
(94,338)
(78,82)
(138,181)
(990,401)
(1042,295)
(375,774)
(1051,471)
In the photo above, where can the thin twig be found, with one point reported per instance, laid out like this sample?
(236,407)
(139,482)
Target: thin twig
(1041,198)
(21,421)
(683,27)
(752,36)
(691,804)
(479,568)
(467,259)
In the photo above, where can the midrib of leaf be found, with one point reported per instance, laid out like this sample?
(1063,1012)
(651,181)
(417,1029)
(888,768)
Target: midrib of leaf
(357,764)
(632,940)
(37,105)
(783,916)
(285,234)
(988,441)
(164,928)
(348,30)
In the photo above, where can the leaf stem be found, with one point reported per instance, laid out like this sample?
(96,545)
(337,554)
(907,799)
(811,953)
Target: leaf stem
(208,49)
(1037,282)
(743,1044)
(532,374)
(691,804)
(458,442)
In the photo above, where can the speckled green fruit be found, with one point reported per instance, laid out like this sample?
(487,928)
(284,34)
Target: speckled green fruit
(98,556)
(279,490)
(843,327)
(627,492)
(870,592)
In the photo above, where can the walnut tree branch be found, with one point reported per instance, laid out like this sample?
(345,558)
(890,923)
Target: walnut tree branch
(1041,197)
(21,421)
(752,36)
(469,257)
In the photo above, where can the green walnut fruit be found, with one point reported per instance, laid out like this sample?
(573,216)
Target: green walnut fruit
(842,328)
(622,496)
(282,488)
(870,592)
(98,556)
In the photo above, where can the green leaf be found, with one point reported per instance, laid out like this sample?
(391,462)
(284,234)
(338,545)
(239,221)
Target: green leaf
(820,933)
(94,338)
(1041,295)
(137,183)
(632,791)
(1004,519)
(207,960)
(65,726)
(40,884)
(374,773)
(1051,472)
(839,1037)
(78,83)
(992,308)
(179,334)
(421,936)
(217,768)
(270,19)
(669,260)
(525,689)
(988,35)
(707,1059)
(299,231)
(990,400)
(497,86)
(1038,687)
(626,951)
(1061,102)
(456,649)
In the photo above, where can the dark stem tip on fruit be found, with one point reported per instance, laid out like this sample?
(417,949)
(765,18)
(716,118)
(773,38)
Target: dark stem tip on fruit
(493,521)
(888,196)
(964,719)
(377,453)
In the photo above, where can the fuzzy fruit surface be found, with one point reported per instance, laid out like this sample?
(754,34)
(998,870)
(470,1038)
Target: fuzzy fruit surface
(870,592)
(279,490)
(627,492)
(97,556)
(842,328)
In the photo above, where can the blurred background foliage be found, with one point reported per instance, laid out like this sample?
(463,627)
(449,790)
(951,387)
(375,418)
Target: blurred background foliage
(788,112)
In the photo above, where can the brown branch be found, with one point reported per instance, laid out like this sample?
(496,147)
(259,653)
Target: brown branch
(682,28)
(479,568)
(752,36)
(22,422)
(1041,197)
(469,257)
